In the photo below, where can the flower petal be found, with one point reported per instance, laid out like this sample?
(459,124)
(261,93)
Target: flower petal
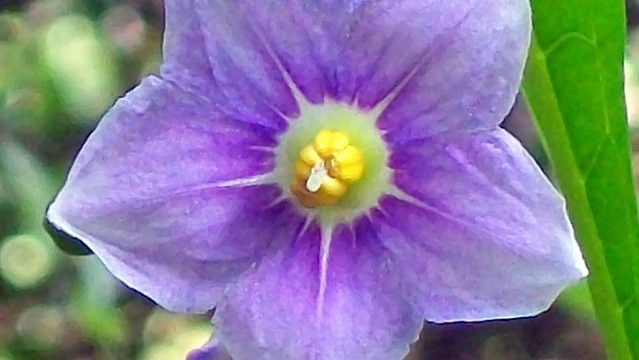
(470,74)
(185,57)
(444,63)
(189,63)
(171,195)
(480,232)
(273,313)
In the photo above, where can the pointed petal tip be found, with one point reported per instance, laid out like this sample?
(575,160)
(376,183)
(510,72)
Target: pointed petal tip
(579,265)
(518,258)
(65,241)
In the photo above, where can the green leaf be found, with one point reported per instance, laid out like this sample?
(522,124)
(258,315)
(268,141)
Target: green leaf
(574,87)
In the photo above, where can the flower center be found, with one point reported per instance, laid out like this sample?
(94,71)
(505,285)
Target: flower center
(325,169)
(332,161)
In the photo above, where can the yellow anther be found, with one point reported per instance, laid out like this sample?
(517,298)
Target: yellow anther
(310,156)
(326,168)
(351,173)
(333,187)
(350,155)
(323,142)
(339,142)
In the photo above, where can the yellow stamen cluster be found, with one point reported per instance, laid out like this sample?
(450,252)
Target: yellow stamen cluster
(326,168)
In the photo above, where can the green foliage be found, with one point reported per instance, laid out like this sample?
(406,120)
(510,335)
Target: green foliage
(59,70)
(574,86)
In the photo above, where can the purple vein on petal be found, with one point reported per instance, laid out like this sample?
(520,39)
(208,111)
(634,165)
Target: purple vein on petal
(256,180)
(266,149)
(325,248)
(383,104)
(279,199)
(404,196)
(376,63)
(298,95)
(387,100)
(261,179)
(307,223)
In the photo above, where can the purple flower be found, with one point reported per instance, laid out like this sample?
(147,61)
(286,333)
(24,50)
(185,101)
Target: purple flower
(326,174)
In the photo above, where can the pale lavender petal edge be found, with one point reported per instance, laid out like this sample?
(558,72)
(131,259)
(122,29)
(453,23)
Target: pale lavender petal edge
(479,232)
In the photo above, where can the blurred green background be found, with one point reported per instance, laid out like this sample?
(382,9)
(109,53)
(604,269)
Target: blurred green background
(62,63)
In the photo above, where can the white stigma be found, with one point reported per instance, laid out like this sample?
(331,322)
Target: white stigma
(316,178)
